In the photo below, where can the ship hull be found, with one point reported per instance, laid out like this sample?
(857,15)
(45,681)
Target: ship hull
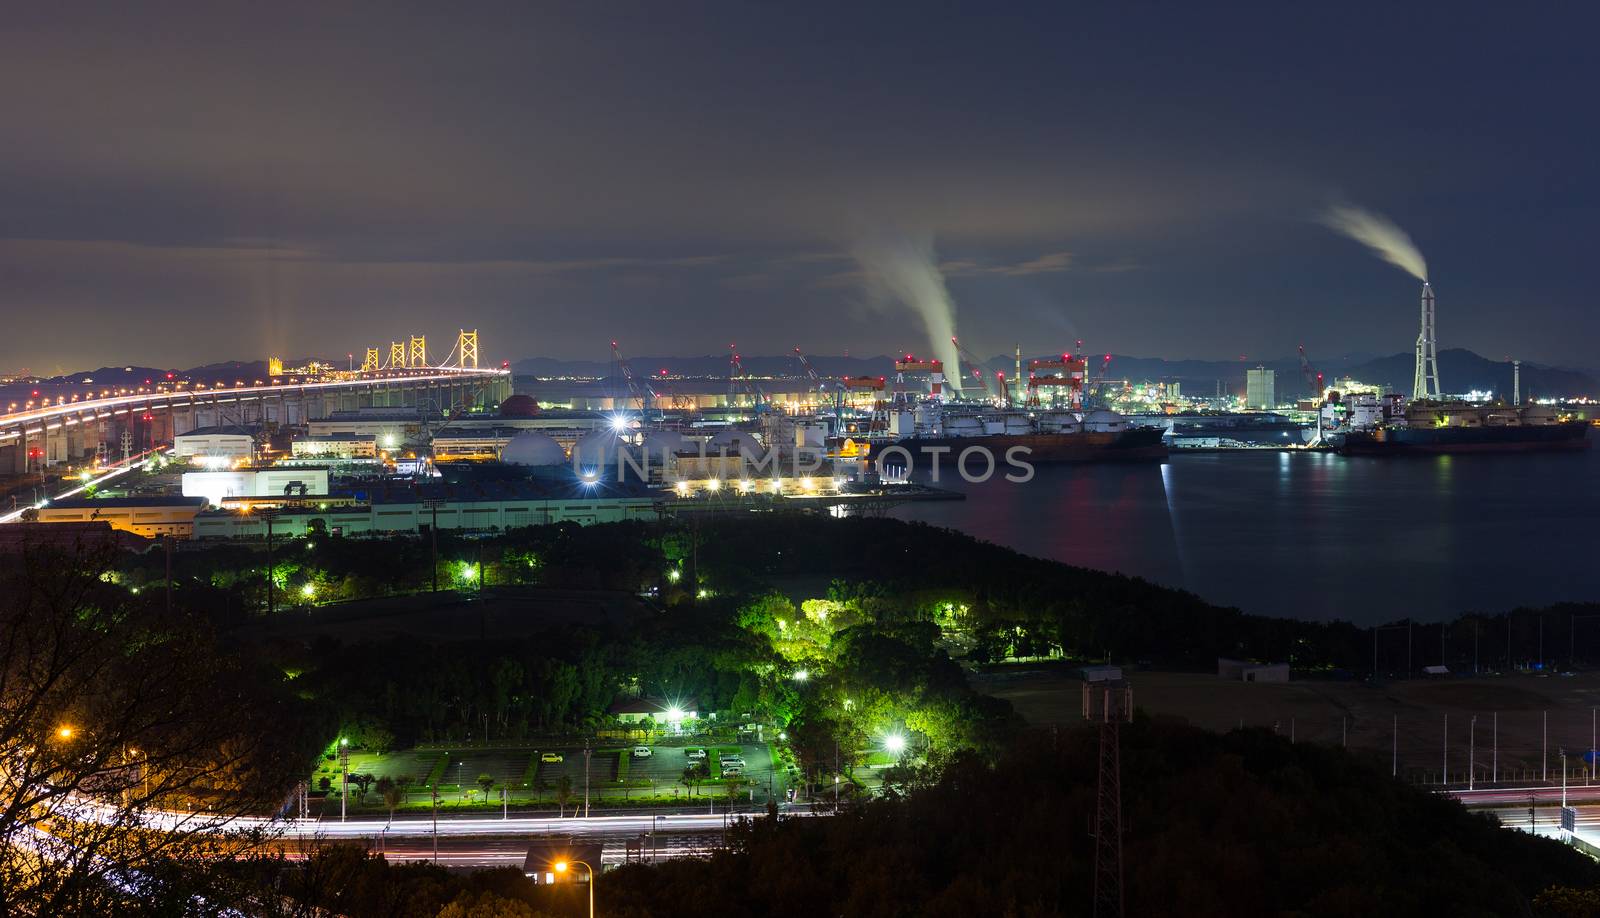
(1426,441)
(1137,444)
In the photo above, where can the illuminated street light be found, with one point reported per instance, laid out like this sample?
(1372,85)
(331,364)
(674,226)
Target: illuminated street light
(308,591)
(561,867)
(894,743)
(801,675)
(64,732)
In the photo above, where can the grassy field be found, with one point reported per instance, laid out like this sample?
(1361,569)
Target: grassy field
(1410,715)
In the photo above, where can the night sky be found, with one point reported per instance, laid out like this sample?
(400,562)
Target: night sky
(186,183)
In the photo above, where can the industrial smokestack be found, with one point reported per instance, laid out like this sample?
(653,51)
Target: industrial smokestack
(1425,382)
(1516,383)
(903,269)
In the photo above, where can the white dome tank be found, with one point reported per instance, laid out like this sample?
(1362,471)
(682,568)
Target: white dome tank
(533,448)
(1103,421)
(597,449)
(660,445)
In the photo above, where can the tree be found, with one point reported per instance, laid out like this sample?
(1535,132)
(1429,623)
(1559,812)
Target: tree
(109,708)
(392,795)
(693,775)
(563,794)
(363,783)
(486,781)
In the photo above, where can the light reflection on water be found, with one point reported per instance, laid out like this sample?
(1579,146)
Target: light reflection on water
(1312,536)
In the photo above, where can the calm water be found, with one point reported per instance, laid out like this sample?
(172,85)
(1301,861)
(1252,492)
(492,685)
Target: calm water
(1312,536)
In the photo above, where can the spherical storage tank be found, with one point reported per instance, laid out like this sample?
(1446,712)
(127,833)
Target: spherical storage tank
(533,449)
(519,406)
(658,446)
(597,451)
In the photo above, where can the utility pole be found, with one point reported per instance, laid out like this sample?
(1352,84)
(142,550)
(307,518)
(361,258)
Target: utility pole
(436,823)
(1544,751)
(433,533)
(344,776)
(166,543)
(586,751)
(1472,750)
(1394,750)
(1108,704)
(1444,774)
(268,514)
(1494,774)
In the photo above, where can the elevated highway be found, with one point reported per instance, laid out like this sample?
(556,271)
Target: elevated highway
(61,433)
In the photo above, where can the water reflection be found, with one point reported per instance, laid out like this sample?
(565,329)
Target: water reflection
(1311,535)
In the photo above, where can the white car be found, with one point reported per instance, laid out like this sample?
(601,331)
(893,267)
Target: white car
(695,754)
(641,752)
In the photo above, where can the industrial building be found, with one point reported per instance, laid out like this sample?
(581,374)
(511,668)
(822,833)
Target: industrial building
(1260,386)
(216,445)
(484,507)
(335,446)
(252,484)
(147,515)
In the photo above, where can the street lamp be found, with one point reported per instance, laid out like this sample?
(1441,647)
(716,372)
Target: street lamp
(64,732)
(894,743)
(561,867)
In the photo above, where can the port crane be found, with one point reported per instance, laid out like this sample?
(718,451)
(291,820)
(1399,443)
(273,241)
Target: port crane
(818,385)
(1313,378)
(738,380)
(637,388)
(977,366)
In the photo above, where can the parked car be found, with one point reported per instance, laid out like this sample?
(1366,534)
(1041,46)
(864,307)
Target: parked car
(732,771)
(552,757)
(641,752)
(695,753)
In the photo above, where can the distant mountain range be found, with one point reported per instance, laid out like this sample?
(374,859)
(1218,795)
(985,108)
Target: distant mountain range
(1460,370)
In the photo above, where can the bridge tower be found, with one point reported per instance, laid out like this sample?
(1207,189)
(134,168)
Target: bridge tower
(467,349)
(370,362)
(418,351)
(397,354)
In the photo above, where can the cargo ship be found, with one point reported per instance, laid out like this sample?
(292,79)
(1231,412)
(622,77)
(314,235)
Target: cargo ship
(1057,436)
(1429,429)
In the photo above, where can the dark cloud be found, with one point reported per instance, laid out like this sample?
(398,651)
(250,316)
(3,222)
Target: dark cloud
(215,180)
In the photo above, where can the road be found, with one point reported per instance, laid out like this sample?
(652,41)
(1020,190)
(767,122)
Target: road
(112,471)
(1513,796)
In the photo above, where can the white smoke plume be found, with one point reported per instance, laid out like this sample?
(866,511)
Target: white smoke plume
(902,269)
(1379,234)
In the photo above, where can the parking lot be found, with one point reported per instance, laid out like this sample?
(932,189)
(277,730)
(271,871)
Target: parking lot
(527,775)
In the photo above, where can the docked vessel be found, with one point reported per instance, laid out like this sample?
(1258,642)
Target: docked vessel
(1426,429)
(1055,436)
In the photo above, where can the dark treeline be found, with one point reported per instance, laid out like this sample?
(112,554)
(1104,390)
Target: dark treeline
(1094,615)
(1215,825)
